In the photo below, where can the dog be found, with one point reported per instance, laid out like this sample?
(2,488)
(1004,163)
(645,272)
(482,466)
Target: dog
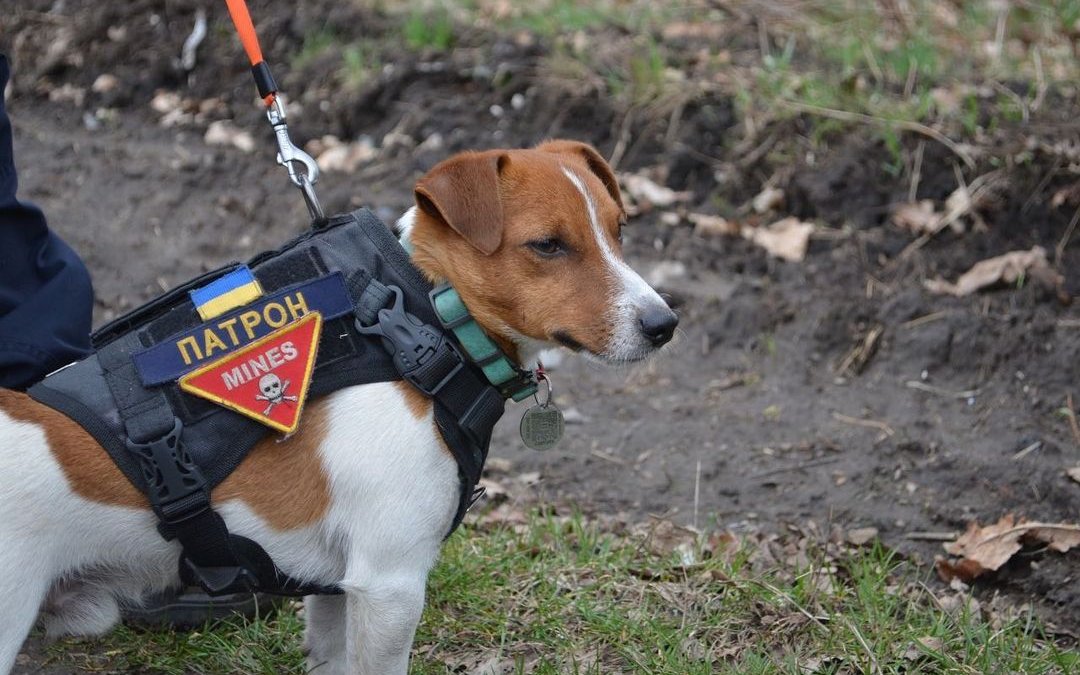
(363,493)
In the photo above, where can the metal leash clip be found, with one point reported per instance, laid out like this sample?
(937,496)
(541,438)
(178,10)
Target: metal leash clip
(289,155)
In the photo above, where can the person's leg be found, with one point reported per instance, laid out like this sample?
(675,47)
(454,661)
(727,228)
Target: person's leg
(46,300)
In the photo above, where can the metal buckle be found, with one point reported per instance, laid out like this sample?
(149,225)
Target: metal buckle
(519,387)
(302,168)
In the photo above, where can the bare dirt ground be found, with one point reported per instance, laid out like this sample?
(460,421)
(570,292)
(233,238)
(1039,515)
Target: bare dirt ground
(748,422)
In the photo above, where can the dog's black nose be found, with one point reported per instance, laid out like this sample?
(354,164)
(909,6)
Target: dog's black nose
(658,325)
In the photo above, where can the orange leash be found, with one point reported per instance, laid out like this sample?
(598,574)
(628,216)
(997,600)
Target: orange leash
(303,171)
(241,18)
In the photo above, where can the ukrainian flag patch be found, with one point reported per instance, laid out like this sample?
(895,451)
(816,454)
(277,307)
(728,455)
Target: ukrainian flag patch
(236,288)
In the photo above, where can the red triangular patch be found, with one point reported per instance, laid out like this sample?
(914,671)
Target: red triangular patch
(268,379)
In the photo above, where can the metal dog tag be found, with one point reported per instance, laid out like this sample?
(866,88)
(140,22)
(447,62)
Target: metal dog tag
(542,426)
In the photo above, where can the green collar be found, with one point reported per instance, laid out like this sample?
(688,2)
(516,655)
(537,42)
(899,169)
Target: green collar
(511,381)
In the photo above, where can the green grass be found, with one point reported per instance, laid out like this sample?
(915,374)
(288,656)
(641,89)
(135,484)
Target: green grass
(562,595)
(964,69)
(265,645)
(432,29)
(564,16)
(923,66)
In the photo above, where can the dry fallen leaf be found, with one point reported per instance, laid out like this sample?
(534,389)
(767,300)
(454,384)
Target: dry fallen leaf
(1058,537)
(221,132)
(787,238)
(529,478)
(862,535)
(705,225)
(983,549)
(105,83)
(503,514)
(494,491)
(957,205)
(693,30)
(665,537)
(818,664)
(344,157)
(768,199)
(477,663)
(918,649)
(932,643)
(648,194)
(948,100)
(495,665)
(164,101)
(664,272)
(1070,194)
(670,218)
(991,546)
(917,218)
(67,93)
(498,464)
(1005,268)
(962,569)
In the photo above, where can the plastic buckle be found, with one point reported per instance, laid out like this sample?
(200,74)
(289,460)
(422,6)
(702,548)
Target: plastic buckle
(448,352)
(175,486)
(448,324)
(218,580)
(413,345)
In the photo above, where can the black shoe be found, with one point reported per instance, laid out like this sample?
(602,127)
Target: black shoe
(192,608)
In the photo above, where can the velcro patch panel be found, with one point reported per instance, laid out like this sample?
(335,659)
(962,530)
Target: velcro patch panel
(188,350)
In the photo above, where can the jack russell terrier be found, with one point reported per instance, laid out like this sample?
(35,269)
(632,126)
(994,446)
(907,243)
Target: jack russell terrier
(363,494)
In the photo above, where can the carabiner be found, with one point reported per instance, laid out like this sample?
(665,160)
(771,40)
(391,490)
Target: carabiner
(288,153)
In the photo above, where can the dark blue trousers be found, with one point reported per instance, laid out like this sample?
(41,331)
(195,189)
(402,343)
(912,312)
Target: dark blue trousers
(46,300)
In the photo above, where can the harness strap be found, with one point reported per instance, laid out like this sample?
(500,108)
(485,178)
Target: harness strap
(179,494)
(369,296)
(466,405)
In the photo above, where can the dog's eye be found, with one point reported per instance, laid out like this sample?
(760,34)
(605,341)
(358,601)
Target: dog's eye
(547,248)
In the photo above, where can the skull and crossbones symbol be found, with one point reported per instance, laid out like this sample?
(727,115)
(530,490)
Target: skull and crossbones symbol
(273,392)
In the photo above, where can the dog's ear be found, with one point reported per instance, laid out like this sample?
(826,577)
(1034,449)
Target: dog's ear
(463,193)
(596,163)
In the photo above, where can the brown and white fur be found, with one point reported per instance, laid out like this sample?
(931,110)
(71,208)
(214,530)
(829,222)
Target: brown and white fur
(364,492)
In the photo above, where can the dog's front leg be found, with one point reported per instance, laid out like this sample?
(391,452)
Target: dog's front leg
(381,619)
(324,634)
(23,584)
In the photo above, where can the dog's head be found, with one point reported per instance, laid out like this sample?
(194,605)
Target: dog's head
(532,240)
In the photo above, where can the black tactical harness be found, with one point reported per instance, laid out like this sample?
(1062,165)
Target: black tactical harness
(176,447)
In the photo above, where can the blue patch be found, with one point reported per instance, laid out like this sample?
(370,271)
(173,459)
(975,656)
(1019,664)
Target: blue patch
(182,353)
